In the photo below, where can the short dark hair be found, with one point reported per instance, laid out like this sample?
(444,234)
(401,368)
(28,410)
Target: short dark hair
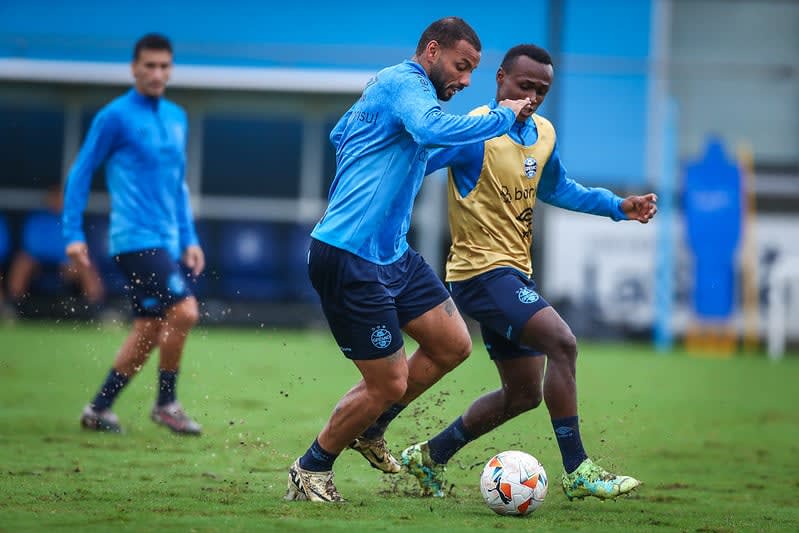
(152,41)
(447,32)
(536,53)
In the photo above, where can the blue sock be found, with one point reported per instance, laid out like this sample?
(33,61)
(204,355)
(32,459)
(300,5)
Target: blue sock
(166,386)
(447,443)
(378,429)
(317,459)
(567,433)
(114,383)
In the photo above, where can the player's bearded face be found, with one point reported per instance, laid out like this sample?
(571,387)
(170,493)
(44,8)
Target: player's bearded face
(444,90)
(152,70)
(452,69)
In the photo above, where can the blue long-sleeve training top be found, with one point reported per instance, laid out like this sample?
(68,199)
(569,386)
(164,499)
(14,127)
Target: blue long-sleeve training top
(555,187)
(142,140)
(381,146)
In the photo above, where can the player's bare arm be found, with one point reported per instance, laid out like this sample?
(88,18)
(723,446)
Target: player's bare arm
(640,208)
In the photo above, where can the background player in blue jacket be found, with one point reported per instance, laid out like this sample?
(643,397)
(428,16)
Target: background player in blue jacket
(372,285)
(493,188)
(42,249)
(141,137)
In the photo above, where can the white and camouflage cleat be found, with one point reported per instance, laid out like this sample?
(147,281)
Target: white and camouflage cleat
(175,418)
(104,420)
(376,452)
(430,475)
(311,486)
(590,479)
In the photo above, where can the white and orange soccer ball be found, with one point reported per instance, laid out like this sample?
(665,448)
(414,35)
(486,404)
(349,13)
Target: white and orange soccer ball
(513,483)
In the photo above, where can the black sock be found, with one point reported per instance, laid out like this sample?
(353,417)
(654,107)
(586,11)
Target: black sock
(113,385)
(166,386)
(447,443)
(567,433)
(378,429)
(317,459)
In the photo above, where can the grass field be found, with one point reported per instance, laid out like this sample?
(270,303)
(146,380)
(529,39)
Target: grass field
(715,441)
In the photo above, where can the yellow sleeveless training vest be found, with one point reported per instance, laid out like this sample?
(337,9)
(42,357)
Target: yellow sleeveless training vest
(493,225)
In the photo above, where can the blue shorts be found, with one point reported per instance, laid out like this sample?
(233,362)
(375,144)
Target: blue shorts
(367,304)
(502,301)
(155,282)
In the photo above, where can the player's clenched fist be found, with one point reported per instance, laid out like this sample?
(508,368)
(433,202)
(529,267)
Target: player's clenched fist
(640,208)
(78,253)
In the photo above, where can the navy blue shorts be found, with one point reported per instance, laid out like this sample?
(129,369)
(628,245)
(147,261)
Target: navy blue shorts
(367,304)
(502,301)
(155,281)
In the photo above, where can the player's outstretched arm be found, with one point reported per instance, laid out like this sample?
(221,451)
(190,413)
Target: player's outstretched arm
(96,148)
(416,106)
(640,208)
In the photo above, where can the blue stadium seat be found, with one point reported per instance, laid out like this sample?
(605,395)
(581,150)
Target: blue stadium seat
(250,261)
(299,285)
(41,237)
(42,240)
(5,240)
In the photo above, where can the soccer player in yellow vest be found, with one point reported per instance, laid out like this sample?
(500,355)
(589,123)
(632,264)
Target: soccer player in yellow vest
(493,186)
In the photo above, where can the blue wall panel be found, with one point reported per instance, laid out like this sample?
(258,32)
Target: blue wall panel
(615,28)
(604,84)
(309,33)
(601,77)
(602,127)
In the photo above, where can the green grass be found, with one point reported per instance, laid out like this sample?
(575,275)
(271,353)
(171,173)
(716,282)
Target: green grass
(715,441)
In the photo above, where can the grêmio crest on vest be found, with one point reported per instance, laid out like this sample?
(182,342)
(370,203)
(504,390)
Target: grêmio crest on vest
(530,167)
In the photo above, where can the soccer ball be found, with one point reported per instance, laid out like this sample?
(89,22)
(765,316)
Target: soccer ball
(513,483)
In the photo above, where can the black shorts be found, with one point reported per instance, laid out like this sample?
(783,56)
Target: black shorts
(155,281)
(367,304)
(502,301)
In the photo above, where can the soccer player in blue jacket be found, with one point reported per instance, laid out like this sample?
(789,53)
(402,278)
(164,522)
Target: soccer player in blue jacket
(493,188)
(372,285)
(141,137)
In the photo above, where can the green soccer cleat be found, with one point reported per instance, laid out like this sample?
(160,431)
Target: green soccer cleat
(592,480)
(430,475)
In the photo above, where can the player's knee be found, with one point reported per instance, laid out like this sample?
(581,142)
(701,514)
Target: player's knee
(187,315)
(451,352)
(192,316)
(458,352)
(393,390)
(523,401)
(461,350)
(566,346)
(570,345)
